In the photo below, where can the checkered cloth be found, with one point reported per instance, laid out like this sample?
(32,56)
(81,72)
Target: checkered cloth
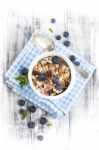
(58,107)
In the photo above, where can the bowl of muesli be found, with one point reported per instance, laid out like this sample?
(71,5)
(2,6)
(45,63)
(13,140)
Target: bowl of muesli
(51,75)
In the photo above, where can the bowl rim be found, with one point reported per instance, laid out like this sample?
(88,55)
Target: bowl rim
(66,59)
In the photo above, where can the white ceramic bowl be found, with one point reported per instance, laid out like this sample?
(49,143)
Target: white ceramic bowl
(72,69)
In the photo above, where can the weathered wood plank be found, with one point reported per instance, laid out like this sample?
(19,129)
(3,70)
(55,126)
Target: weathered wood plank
(83,33)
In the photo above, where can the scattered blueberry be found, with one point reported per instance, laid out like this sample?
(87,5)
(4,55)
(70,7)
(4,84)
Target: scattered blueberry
(58,87)
(40,137)
(53,20)
(24,71)
(31,109)
(21,111)
(43,120)
(66,43)
(42,76)
(77,63)
(55,79)
(66,34)
(58,37)
(56,59)
(72,58)
(21,102)
(31,124)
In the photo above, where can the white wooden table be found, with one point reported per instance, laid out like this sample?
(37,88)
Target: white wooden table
(78,130)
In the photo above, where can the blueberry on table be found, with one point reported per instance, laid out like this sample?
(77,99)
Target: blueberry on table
(40,137)
(58,37)
(56,59)
(66,43)
(58,87)
(72,58)
(21,102)
(31,124)
(77,63)
(53,20)
(42,76)
(55,79)
(43,120)
(31,109)
(66,34)
(21,111)
(24,71)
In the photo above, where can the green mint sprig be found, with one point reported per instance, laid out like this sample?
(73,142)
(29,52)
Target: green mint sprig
(23,80)
(25,115)
(51,30)
(49,124)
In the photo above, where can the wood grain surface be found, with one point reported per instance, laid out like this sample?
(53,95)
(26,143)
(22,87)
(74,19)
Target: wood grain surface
(83,119)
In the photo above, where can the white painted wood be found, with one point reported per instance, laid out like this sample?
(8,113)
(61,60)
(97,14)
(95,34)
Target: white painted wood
(82,123)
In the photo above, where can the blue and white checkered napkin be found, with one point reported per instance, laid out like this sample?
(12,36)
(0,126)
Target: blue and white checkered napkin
(56,108)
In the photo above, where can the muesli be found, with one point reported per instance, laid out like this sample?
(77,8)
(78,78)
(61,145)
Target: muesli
(51,76)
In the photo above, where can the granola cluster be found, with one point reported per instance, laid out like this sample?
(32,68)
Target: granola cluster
(51,76)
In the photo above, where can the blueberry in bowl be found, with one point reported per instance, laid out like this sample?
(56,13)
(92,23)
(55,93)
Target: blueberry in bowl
(56,59)
(55,79)
(58,86)
(42,76)
(55,75)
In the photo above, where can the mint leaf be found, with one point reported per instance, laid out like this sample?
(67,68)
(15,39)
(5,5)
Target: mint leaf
(51,30)
(49,124)
(24,115)
(23,80)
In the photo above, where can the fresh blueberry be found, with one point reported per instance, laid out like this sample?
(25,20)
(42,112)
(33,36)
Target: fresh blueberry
(24,71)
(66,43)
(43,120)
(21,102)
(55,79)
(42,76)
(58,87)
(40,137)
(53,20)
(58,37)
(21,111)
(56,59)
(31,109)
(72,58)
(31,124)
(66,34)
(77,63)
